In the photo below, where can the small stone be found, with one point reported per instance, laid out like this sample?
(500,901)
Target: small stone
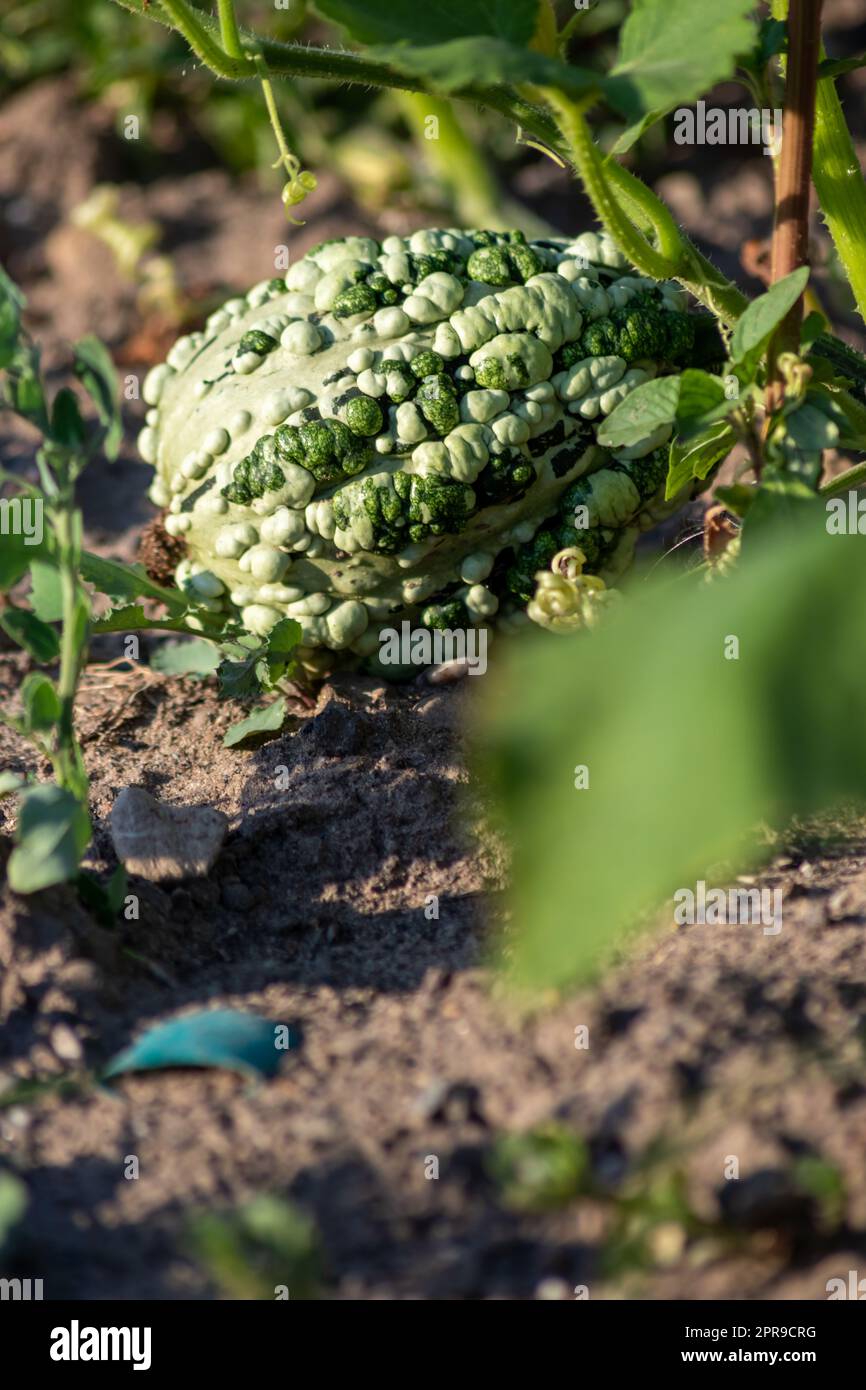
(847,902)
(165,843)
(448,672)
(65,1043)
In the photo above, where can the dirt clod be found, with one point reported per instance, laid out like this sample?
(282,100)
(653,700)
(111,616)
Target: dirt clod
(164,843)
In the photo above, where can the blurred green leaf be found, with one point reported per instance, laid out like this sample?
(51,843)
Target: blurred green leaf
(46,593)
(546,1167)
(372,21)
(103,900)
(13,1204)
(95,370)
(10,782)
(36,637)
(67,426)
(16,555)
(265,1246)
(687,751)
(41,702)
(52,834)
(11,304)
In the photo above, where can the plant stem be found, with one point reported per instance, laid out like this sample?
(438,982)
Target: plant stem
(288,160)
(456,159)
(198,33)
(326,64)
(851,478)
(838,181)
(587,160)
(841,188)
(791,227)
(67,760)
(231,39)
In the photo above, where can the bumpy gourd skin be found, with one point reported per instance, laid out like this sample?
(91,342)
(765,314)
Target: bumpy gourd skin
(405,431)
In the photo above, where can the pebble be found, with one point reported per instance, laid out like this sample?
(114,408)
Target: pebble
(65,1043)
(447,672)
(165,843)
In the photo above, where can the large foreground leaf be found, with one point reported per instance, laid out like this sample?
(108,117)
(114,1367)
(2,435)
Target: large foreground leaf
(687,752)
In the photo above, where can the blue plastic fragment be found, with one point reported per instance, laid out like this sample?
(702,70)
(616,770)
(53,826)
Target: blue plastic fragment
(210,1038)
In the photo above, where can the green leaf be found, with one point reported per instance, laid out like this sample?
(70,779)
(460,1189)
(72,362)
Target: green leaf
(103,900)
(772,40)
(835,67)
(24,385)
(95,370)
(266,720)
(664,804)
(814,324)
(542,1169)
(10,783)
(697,457)
(644,409)
(11,305)
(672,51)
(757,325)
(282,641)
(13,1204)
(67,426)
(196,657)
(372,21)
(811,429)
(16,555)
(488,62)
(633,133)
(52,834)
(699,393)
(36,637)
(121,582)
(780,502)
(238,679)
(283,637)
(46,593)
(41,702)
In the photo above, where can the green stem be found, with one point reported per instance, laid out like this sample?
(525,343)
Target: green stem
(840,187)
(328,64)
(838,181)
(454,158)
(699,276)
(198,33)
(231,39)
(67,758)
(288,160)
(592,170)
(851,478)
(623,203)
(647,210)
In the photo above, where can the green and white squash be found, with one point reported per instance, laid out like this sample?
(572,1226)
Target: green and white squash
(406,431)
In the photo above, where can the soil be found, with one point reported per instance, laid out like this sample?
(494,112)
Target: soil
(703,1044)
